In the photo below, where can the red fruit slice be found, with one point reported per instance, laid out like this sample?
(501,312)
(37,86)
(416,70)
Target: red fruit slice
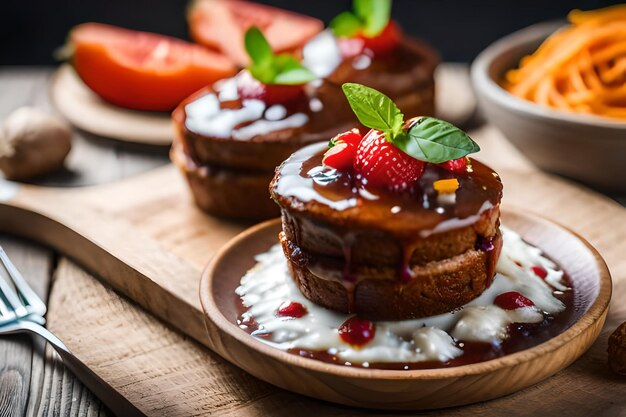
(351,137)
(385,42)
(381,164)
(340,156)
(539,271)
(293,309)
(221,25)
(251,88)
(455,165)
(141,70)
(380,45)
(356,331)
(512,300)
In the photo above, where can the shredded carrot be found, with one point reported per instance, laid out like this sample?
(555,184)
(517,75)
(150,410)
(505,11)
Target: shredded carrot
(580,68)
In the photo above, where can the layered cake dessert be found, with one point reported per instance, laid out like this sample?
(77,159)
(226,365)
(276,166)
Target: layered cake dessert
(392,255)
(365,221)
(365,46)
(232,135)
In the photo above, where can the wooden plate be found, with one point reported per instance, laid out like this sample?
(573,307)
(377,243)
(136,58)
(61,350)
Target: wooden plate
(85,110)
(416,389)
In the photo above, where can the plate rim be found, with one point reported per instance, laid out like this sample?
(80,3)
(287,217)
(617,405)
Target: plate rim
(596,311)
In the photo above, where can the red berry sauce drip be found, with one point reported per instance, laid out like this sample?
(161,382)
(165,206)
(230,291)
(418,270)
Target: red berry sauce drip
(539,271)
(356,331)
(512,300)
(293,309)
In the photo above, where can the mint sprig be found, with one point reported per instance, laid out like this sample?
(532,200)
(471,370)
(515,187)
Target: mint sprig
(368,16)
(271,68)
(427,139)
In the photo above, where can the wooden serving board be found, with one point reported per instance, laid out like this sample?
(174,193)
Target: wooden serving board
(144,237)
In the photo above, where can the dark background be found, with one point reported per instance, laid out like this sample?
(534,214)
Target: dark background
(31,30)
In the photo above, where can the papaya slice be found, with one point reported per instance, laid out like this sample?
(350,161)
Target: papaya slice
(221,25)
(140,70)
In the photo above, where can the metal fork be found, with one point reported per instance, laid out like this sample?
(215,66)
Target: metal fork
(22,311)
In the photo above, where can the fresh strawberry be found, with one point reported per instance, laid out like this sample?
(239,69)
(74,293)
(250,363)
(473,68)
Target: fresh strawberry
(293,309)
(385,42)
(250,88)
(512,300)
(340,156)
(351,137)
(455,165)
(342,150)
(356,331)
(539,271)
(380,163)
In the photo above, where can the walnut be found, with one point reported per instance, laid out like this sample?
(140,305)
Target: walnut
(32,143)
(617,350)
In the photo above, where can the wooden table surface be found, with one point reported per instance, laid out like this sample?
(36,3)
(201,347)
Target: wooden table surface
(34,382)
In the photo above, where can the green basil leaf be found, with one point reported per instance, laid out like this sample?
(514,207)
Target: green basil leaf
(258,47)
(295,76)
(289,71)
(374,109)
(345,25)
(374,13)
(264,73)
(435,141)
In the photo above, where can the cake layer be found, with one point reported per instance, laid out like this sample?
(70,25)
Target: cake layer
(376,247)
(265,135)
(408,68)
(376,293)
(225,192)
(266,151)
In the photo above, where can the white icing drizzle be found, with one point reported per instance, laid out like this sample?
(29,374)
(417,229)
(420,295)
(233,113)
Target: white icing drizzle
(205,115)
(8,189)
(321,54)
(268,286)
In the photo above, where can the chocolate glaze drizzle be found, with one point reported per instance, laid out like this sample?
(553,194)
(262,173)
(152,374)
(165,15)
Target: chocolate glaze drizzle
(305,185)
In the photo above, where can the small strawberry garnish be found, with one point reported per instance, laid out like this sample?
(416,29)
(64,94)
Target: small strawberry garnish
(293,309)
(351,137)
(272,78)
(539,271)
(356,331)
(456,165)
(379,163)
(385,42)
(342,150)
(340,156)
(512,300)
(250,88)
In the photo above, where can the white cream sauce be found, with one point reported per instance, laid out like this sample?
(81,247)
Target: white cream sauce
(268,286)
(322,54)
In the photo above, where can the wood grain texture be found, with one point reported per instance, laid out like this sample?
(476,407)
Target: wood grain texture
(52,390)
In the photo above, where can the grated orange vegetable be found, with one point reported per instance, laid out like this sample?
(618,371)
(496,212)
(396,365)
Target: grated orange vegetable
(580,68)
